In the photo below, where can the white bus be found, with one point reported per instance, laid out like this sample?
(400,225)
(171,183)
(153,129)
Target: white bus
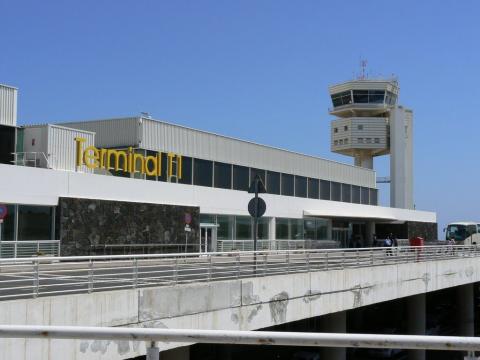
(464,232)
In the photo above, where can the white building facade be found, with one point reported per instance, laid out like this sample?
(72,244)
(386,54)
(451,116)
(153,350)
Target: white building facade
(131,184)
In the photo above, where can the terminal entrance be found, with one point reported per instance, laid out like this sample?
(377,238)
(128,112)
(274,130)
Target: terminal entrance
(208,237)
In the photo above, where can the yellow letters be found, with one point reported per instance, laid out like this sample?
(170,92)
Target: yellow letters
(126,161)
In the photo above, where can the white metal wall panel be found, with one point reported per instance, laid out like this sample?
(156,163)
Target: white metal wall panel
(8,105)
(111,132)
(62,147)
(160,136)
(58,145)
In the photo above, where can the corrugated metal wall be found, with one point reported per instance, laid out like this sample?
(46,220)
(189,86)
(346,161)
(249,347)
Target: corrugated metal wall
(160,136)
(58,145)
(8,105)
(111,132)
(61,147)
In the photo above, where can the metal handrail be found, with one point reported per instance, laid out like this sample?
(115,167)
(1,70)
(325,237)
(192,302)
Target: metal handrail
(22,158)
(29,248)
(46,276)
(152,335)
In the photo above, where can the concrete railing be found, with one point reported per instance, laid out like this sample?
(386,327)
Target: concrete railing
(415,342)
(46,276)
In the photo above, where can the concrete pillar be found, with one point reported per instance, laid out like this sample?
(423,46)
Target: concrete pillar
(272,233)
(364,159)
(416,322)
(334,323)
(370,231)
(465,310)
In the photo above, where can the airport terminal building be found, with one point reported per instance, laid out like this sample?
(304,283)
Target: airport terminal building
(128,184)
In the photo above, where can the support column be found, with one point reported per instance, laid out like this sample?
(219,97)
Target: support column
(466,310)
(370,231)
(334,323)
(272,233)
(416,322)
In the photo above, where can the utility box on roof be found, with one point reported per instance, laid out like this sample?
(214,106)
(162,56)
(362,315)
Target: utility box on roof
(8,105)
(53,147)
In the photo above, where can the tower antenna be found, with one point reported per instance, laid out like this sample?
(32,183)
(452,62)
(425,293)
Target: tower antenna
(363,66)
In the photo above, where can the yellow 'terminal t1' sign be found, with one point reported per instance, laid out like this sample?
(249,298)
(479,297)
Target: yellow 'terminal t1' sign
(126,160)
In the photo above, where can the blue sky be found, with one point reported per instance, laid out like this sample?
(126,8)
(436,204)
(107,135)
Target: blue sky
(258,70)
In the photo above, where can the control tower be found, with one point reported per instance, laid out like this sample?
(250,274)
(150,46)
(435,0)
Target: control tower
(369,122)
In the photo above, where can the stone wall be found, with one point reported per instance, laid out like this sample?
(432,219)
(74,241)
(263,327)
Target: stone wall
(84,226)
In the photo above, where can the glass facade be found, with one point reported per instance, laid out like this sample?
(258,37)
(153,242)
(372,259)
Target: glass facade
(336,191)
(35,222)
(243,228)
(225,227)
(346,193)
(255,172)
(8,226)
(273,182)
(325,190)
(227,176)
(187,171)
(223,175)
(288,184)
(301,186)
(355,194)
(241,178)
(313,188)
(202,172)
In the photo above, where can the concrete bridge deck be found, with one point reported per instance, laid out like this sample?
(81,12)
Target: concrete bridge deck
(303,290)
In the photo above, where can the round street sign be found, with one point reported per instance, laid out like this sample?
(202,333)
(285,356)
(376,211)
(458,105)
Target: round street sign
(188,218)
(261,207)
(3,211)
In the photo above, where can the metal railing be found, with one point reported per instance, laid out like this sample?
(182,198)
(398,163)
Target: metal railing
(24,248)
(151,336)
(45,276)
(130,249)
(32,159)
(278,244)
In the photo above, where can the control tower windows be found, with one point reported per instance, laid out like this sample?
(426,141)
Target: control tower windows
(391,98)
(368,96)
(343,98)
(345,128)
(360,127)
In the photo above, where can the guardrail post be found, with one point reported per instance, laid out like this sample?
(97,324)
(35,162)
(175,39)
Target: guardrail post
(265,264)
(36,278)
(175,271)
(288,262)
(209,267)
(135,273)
(90,276)
(237,263)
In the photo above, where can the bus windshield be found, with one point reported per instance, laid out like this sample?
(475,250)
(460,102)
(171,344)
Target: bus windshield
(460,232)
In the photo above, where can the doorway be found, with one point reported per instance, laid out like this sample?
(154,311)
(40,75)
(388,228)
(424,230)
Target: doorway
(208,237)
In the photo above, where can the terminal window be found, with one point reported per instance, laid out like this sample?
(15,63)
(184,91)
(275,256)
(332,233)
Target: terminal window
(222,175)
(273,182)
(202,172)
(313,187)
(336,191)
(241,179)
(324,190)
(300,186)
(287,185)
